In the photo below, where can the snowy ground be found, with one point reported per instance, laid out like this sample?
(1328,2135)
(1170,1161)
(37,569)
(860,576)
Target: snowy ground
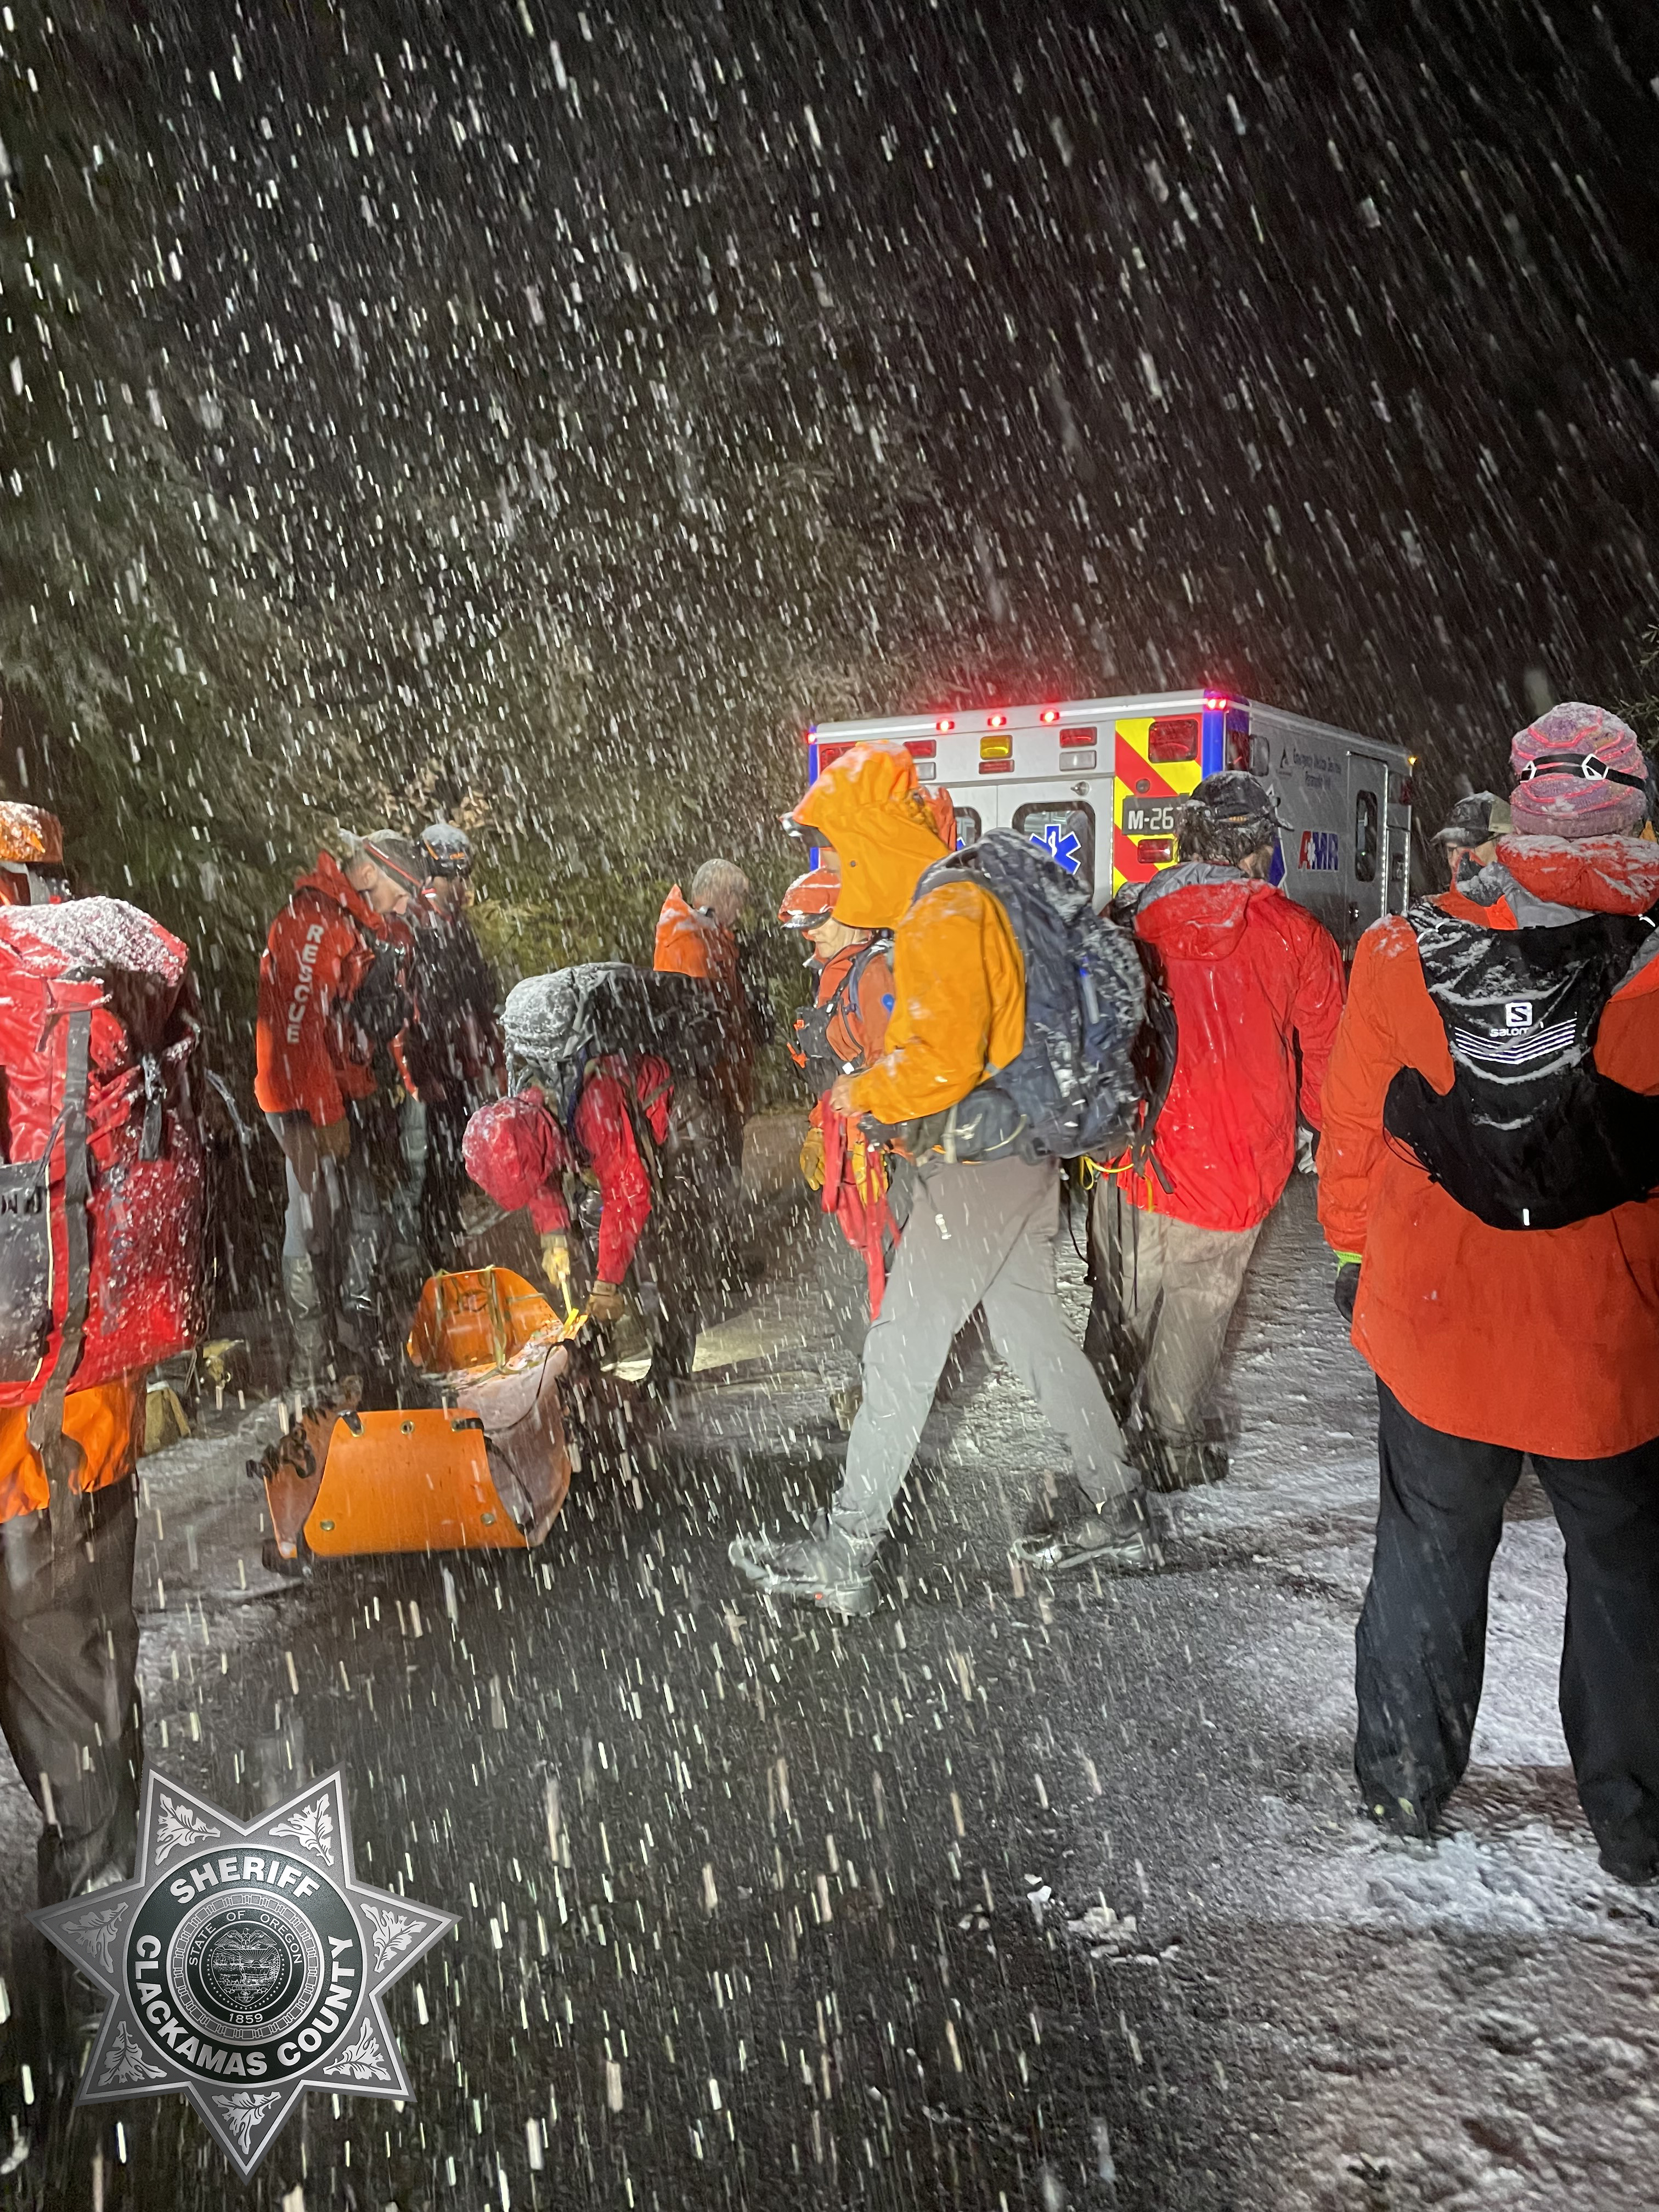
(1003,1897)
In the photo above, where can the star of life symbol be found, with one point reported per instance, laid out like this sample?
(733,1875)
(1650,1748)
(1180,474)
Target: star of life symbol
(1060,844)
(244,1964)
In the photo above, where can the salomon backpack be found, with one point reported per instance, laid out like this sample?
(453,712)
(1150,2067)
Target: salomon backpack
(1090,1064)
(554,1025)
(102,1191)
(1531,1136)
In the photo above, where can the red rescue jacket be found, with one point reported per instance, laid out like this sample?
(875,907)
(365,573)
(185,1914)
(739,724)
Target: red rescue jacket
(855,1171)
(602,1127)
(310,1057)
(1253,977)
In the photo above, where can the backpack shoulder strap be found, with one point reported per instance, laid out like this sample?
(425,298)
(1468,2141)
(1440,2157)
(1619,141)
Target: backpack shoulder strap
(62,1457)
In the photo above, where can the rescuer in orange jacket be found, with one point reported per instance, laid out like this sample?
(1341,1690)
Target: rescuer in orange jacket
(698,936)
(1487,1179)
(840,1033)
(333,1003)
(980,1234)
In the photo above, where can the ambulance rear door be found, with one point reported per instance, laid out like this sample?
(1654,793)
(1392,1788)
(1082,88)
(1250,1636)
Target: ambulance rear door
(1398,822)
(1041,770)
(1304,766)
(1367,869)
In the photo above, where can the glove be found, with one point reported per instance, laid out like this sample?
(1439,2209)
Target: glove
(556,1262)
(607,1302)
(333,1139)
(811,1158)
(1346,1287)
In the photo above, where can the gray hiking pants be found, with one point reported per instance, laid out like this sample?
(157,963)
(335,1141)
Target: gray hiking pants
(69,1699)
(333,1235)
(1165,1289)
(976,1236)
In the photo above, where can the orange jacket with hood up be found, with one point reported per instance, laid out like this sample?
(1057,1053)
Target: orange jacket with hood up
(690,942)
(958,979)
(1542,1339)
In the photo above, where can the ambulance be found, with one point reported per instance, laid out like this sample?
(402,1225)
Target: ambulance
(1098,782)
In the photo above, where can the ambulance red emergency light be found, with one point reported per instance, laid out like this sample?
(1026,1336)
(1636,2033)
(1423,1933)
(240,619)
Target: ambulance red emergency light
(1097,781)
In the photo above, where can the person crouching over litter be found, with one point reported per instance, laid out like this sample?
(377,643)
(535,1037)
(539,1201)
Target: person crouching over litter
(520,1153)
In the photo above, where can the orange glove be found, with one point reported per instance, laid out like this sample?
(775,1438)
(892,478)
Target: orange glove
(811,1158)
(869,1170)
(556,1262)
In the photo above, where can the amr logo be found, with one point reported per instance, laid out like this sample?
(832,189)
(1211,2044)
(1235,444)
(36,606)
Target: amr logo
(1319,850)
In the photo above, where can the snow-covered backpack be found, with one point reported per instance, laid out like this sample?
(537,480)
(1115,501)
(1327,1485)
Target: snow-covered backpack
(554,1025)
(102,1190)
(1091,1063)
(1531,1136)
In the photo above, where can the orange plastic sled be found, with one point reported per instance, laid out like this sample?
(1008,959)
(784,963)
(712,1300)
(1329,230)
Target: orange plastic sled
(488,1473)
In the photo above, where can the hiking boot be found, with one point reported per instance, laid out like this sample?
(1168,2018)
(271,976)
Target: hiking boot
(1187,1464)
(1059,1501)
(1403,1816)
(1639,1874)
(1117,1539)
(823,1568)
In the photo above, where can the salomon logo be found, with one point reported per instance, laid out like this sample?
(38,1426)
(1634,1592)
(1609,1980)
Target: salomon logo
(1517,1013)
(1320,850)
(1508,1050)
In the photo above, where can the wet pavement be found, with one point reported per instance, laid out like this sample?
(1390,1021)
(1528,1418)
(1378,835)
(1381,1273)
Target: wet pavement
(986,1900)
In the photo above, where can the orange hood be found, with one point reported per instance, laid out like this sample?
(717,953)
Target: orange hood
(867,806)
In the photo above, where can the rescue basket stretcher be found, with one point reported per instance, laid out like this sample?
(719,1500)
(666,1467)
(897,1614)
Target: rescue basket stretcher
(488,1472)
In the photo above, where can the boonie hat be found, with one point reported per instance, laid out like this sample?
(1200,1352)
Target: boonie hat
(1477,816)
(1233,798)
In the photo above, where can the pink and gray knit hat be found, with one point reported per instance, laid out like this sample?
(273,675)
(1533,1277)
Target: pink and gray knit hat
(1578,773)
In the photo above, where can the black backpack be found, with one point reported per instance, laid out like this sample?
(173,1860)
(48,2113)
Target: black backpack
(809,1044)
(554,1025)
(1098,1049)
(1531,1136)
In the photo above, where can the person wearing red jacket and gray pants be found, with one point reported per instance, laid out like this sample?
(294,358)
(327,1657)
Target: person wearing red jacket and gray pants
(518,1153)
(1257,986)
(332,995)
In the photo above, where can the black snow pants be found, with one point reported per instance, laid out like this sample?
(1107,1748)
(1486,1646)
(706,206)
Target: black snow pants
(1422,1635)
(69,1700)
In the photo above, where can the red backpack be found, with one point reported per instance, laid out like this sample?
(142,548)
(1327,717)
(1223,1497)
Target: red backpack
(103,1185)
